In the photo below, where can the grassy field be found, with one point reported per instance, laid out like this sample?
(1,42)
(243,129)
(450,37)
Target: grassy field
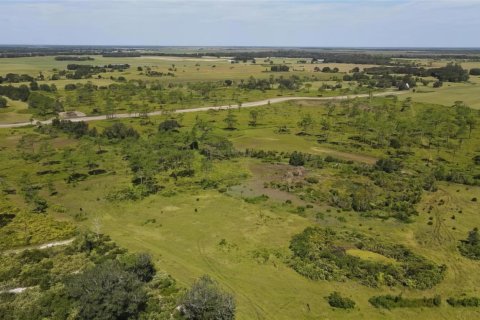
(449,93)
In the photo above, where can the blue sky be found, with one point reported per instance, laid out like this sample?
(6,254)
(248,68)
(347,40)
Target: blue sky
(316,23)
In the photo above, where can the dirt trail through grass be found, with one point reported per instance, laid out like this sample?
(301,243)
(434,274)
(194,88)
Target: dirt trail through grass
(225,107)
(41,246)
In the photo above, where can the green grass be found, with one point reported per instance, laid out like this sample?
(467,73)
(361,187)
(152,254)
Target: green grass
(449,93)
(369,255)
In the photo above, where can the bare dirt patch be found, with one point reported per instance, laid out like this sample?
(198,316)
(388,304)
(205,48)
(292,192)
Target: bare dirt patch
(263,174)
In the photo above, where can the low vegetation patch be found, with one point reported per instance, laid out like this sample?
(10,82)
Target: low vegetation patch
(321,254)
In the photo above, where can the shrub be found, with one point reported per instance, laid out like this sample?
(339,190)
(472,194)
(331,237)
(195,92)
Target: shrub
(470,247)
(464,302)
(297,159)
(312,180)
(390,302)
(475,72)
(3,102)
(120,131)
(476,160)
(169,125)
(388,165)
(337,301)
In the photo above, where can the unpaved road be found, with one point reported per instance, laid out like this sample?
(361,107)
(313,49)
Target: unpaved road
(41,246)
(225,107)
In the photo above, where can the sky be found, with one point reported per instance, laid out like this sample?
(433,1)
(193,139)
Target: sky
(311,23)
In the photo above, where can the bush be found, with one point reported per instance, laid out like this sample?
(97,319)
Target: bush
(337,301)
(451,73)
(476,160)
(169,125)
(470,247)
(388,165)
(475,72)
(205,300)
(390,302)
(464,302)
(312,180)
(3,102)
(297,159)
(120,131)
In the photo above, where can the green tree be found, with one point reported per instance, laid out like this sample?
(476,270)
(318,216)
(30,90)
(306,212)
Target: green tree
(254,115)
(230,120)
(206,301)
(139,264)
(306,123)
(107,292)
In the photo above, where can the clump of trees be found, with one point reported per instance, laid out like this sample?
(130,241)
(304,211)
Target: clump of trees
(75,129)
(279,68)
(16,78)
(74,58)
(85,71)
(15,93)
(120,131)
(43,104)
(452,72)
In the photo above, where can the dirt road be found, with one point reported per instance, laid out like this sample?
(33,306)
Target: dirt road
(225,107)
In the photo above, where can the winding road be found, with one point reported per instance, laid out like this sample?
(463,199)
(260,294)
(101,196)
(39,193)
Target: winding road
(225,107)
